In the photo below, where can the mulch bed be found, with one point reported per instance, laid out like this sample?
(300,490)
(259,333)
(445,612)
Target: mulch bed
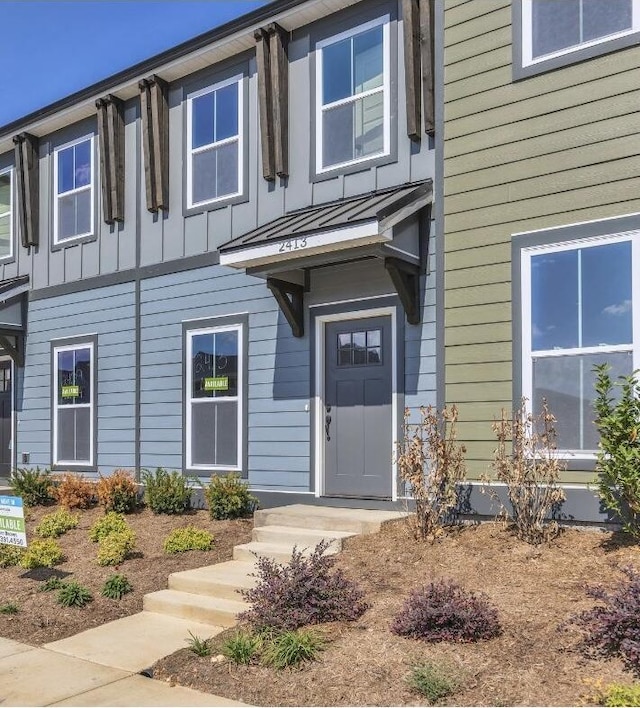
(536,661)
(41,619)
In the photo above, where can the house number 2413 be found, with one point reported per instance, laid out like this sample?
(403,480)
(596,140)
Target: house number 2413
(293,244)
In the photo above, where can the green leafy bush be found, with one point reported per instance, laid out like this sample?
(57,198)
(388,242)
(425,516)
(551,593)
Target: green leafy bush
(619,694)
(432,681)
(116,586)
(35,486)
(118,492)
(114,548)
(188,538)
(618,457)
(10,555)
(57,523)
(9,608)
(199,646)
(73,595)
(228,497)
(242,648)
(167,492)
(42,553)
(292,648)
(111,522)
(53,583)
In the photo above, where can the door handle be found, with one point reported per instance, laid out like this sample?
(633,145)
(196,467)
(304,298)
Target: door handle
(327,422)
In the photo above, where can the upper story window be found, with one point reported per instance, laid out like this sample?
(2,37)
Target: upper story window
(73,177)
(6,213)
(353,96)
(554,28)
(215,143)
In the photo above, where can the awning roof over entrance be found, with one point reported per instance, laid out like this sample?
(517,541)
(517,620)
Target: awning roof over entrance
(327,228)
(13,316)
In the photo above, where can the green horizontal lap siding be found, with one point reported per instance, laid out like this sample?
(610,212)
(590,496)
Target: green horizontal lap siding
(555,149)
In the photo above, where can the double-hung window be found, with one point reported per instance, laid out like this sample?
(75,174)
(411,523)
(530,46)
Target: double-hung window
(215,143)
(353,96)
(73,177)
(580,308)
(214,398)
(553,28)
(73,403)
(6,213)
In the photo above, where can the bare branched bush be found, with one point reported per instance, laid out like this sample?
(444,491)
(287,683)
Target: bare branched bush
(527,462)
(431,462)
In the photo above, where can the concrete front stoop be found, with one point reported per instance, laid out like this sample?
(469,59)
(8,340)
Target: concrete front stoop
(210,595)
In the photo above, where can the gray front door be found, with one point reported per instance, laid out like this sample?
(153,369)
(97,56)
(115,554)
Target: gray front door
(5,418)
(357,408)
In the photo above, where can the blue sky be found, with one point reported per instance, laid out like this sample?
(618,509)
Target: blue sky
(50,49)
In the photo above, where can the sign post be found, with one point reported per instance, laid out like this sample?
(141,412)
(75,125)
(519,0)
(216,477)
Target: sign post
(12,528)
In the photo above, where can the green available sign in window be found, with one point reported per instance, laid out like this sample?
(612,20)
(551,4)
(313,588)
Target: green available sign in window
(217,383)
(70,391)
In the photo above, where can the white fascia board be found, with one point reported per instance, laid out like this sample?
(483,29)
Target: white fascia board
(302,246)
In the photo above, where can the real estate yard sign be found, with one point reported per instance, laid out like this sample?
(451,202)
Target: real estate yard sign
(12,530)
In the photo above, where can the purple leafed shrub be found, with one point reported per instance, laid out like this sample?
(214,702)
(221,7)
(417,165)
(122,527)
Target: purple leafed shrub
(305,591)
(445,612)
(613,628)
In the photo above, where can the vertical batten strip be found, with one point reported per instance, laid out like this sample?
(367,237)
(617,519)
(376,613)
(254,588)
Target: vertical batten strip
(263,61)
(413,78)
(27,180)
(279,72)
(427,17)
(154,111)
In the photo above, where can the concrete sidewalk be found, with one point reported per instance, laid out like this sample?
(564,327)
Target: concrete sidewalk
(100,667)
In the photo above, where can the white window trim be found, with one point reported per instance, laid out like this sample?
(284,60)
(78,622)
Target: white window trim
(239,398)
(240,139)
(383,21)
(11,172)
(525,279)
(56,405)
(56,195)
(527,36)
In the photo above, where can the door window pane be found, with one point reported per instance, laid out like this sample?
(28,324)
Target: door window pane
(359,348)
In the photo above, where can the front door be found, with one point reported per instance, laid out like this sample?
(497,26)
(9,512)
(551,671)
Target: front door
(357,424)
(5,418)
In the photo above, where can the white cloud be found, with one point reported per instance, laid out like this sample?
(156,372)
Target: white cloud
(620,308)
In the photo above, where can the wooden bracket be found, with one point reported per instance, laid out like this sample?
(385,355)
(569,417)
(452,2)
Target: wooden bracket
(15,352)
(27,179)
(154,108)
(290,299)
(111,139)
(406,280)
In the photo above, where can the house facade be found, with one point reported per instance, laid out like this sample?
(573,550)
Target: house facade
(222,258)
(541,216)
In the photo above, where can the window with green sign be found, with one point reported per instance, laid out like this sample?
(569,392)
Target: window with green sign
(214,398)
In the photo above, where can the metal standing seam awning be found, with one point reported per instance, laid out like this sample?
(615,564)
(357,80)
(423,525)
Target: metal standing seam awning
(13,316)
(383,224)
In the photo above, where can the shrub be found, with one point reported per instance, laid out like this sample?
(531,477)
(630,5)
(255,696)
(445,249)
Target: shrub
(304,591)
(73,595)
(292,648)
(242,648)
(613,627)
(57,523)
(619,694)
(10,555)
(432,681)
(9,608)
(618,457)
(53,583)
(199,646)
(445,611)
(74,491)
(527,462)
(116,587)
(35,486)
(111,522)
(42,553)
(118,492)
(114,548)
(188,538)
(167,492)
(228,497)
(431,462)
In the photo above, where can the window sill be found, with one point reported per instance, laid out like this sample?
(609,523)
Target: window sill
(214,205)
(351,168)
(75,241)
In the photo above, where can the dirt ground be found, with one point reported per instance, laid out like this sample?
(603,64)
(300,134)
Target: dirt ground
(40,619)
(534,662)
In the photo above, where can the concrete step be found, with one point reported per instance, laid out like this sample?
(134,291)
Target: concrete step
(222,580)
(357,521)
(302,538)
(278,551)
(220,612)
